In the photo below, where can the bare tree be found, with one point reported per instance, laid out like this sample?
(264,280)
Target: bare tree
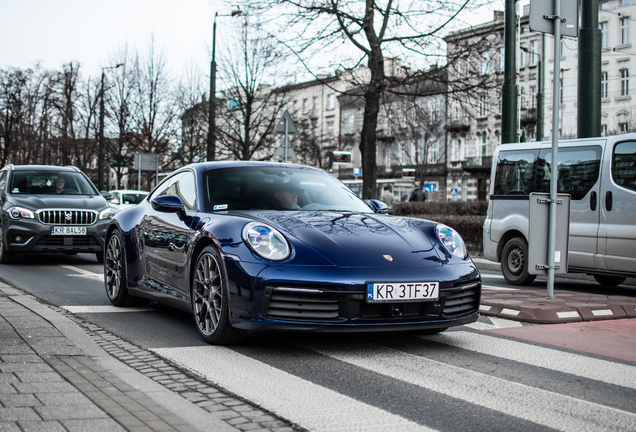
(369,30)
(153,110)
(191,101)
(250,106)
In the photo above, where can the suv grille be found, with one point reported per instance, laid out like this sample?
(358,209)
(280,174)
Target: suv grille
(67,217)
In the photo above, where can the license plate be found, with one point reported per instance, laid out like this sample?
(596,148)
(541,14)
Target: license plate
(70,230)
(402,292)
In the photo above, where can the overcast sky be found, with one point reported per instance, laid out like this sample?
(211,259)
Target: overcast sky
(56,32)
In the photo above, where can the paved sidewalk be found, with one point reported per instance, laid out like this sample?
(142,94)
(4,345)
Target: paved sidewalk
(55,377)
(533,306)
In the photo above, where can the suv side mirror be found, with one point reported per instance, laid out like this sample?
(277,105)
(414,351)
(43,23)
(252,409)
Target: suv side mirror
(106,195)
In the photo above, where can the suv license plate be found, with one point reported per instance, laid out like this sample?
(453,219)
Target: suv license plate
(402,292)
(64,230)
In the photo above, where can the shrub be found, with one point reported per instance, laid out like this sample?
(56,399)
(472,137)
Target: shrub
(456,208)
(469,227)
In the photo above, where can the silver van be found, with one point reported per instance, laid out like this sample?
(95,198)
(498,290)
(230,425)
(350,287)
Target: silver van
(600,176)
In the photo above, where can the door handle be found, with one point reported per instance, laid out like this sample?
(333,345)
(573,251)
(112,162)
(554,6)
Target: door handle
(593,201)
(608,201)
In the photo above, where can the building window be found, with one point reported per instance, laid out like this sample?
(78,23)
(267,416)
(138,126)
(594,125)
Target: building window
(605,6)
(466,66)
(603,130)
(624,82)
(304,106)
(483,145)
(534,55)
(522,96)
(624,2)
(434,111)
(533,98)
(604,85)
(604,35)
(314,109)
(331,101)
(483,105)
(522,52)
(330,129)
(485,60)
(562,47)
(454,149)
(622,127)
(350,123)
(624,31)
(463,148)
(502,58)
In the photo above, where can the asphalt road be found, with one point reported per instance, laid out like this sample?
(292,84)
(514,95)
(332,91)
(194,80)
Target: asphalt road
(486,376)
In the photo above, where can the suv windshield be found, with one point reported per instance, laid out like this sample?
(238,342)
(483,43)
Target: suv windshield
(50,182)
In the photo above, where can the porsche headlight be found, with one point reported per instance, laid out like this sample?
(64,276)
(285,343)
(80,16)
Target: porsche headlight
(266,241)
(452,240)
(21,212)
(107,213)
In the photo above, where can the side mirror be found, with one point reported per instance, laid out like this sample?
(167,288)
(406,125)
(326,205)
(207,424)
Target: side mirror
(377,206)
(106,195)
(169,204)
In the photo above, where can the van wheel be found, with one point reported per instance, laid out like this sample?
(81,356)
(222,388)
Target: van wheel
(514,262)
(609,280)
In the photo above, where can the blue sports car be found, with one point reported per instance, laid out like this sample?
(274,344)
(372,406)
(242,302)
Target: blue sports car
(255,246)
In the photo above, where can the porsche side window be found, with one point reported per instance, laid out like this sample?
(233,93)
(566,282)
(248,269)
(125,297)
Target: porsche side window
(624,165)
(181,185)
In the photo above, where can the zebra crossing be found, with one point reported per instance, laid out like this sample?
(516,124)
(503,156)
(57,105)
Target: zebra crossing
(463,379)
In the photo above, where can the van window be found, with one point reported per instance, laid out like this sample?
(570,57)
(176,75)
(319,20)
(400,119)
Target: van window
(624,165)
(578,170)
(515,173)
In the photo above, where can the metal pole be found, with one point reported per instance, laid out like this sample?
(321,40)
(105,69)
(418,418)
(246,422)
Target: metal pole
(589,73)
(211,146)
(286,137)
(555,147)
(139,172)
(539,131)
(100,152)
(509,91)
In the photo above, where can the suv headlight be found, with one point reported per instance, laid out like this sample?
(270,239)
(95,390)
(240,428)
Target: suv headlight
(21,212)
(107,213)
(452,240)
(266,241)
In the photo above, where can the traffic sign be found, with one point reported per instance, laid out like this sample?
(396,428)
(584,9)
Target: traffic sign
(286,125)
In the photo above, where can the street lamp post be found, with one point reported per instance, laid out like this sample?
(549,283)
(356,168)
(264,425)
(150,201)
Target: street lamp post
(211,142)
(100,156)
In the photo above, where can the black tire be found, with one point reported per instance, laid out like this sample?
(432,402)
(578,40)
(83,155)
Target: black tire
(115,273)
(100,257)
(6,257)
(514,262)
(609,280)
(210,302)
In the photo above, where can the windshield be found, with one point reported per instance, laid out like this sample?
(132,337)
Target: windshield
(285,188)
(50,182)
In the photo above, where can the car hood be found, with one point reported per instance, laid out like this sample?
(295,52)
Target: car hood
(40,202)
(360,239)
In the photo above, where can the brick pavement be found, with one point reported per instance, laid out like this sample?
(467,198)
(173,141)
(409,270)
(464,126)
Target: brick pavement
(59,373)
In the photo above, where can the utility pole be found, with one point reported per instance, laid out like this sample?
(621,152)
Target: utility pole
(589,83)
(509,92)
(211,142)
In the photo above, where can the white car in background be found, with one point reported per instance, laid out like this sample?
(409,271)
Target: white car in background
(122,199)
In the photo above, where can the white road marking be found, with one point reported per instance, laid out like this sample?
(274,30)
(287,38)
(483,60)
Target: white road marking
(544,407)
(104,309)
(496,288)
(552,359)
(309,405)
(84,273)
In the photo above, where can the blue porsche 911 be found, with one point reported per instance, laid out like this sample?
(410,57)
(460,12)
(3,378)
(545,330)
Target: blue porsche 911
(251,246)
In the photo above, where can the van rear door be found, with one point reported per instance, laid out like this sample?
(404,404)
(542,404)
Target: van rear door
(617,233)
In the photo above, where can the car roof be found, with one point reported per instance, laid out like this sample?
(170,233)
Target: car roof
(130,191)
(67,168)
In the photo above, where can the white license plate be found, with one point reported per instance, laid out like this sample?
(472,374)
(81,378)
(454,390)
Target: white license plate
(70,230)
(402,292)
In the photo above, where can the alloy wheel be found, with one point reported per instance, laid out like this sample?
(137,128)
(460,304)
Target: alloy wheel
(207,294)
(113,266)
